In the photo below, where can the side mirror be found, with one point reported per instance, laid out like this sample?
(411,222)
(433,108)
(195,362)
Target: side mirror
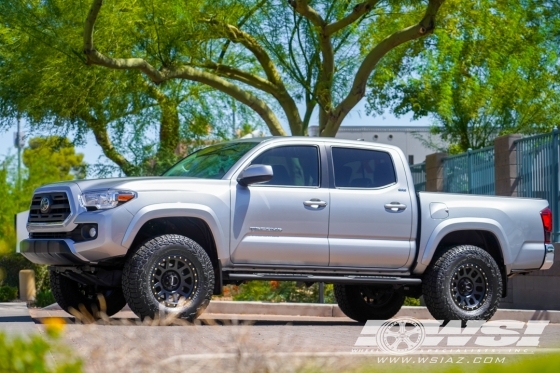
(256,173)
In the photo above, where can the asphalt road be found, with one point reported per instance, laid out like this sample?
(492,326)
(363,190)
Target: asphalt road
(256,343)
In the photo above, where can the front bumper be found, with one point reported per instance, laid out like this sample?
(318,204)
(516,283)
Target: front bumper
(52,252)
(548,256)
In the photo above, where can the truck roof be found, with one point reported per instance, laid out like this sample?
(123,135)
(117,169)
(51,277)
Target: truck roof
(315,139)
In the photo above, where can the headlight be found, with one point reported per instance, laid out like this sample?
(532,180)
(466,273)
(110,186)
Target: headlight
(107,199)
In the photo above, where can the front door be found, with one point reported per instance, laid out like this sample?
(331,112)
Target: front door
(285,220)
(371,210)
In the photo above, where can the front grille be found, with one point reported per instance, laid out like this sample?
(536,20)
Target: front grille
(58,211)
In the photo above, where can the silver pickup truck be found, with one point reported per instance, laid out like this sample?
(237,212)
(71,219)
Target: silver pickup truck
(293,209)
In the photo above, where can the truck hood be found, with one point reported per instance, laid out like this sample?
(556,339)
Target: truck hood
(137,184)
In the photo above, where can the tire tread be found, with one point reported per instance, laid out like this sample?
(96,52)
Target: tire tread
(134,275)
(434,286)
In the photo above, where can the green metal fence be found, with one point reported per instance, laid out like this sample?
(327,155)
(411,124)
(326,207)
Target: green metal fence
(471,172)
(537,170)
(419,176)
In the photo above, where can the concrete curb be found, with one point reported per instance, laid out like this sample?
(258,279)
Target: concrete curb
(332,310)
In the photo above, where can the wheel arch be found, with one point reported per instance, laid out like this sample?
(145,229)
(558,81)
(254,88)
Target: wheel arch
(487,240)
(200,225)
(467,231)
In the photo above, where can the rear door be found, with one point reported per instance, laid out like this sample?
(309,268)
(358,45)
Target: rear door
(371,211)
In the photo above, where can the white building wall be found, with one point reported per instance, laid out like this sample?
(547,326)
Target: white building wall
(413,141)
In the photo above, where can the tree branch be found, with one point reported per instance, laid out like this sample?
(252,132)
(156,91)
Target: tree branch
(357,92)
(326,72)
(185,72)
(245,18)
(303,8)
(102,138)
(245,97)
(238,36)
(252,80)
(358,11)
(280,92)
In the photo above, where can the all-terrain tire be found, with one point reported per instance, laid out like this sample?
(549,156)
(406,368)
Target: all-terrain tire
(72,296)
(368,302)
(464,283)
(168,275)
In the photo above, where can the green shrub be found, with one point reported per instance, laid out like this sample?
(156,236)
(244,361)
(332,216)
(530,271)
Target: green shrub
(8,293)
(12,263)
(411,301)
(279,291)
(286,291)
(44,298)
(34,354)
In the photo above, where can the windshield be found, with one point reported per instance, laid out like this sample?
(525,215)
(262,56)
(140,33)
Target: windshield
(212,162)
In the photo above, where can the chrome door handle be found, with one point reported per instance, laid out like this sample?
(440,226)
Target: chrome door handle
(315,203)
(395,206)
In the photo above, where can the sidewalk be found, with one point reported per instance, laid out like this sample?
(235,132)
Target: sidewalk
(15,319)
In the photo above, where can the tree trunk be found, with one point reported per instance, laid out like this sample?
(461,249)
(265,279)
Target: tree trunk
(168,134)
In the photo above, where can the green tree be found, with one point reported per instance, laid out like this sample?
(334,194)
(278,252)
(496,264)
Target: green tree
(267,55)
(51,159)
(9,207)
(141,128)
(47,160)
(491,68)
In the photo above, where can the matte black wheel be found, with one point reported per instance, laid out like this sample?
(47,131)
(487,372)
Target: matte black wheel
(168,275)
(73,296)
(368,302)
(465,283)
(174,279)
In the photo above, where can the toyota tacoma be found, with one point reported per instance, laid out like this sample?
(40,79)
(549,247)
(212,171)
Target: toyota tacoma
(288,209)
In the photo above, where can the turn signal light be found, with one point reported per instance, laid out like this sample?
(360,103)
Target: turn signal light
(125,196)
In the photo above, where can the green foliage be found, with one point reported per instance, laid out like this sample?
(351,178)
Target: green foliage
(490,69)
(44,298)
(8,293)
(408,301)
(52,159)
(279,291)
(10,265)
(141,127)
(47,160)
(286,291)
(35,354)
(268,55)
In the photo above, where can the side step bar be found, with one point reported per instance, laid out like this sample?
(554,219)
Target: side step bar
(328,279)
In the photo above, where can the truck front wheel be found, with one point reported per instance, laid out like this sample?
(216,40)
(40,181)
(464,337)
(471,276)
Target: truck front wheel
(73,297)
(463,284)
(368,302)
(168,275)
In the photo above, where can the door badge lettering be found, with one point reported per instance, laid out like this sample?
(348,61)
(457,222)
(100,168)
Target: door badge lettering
(265,229)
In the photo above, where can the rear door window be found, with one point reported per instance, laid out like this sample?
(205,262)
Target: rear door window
(362,168)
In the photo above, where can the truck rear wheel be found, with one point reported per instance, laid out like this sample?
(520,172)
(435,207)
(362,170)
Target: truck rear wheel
(168,275)
(465,283)
(95,300)
(368,302)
